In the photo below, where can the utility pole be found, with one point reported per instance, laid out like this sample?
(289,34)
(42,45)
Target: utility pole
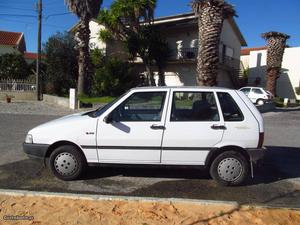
(38,60)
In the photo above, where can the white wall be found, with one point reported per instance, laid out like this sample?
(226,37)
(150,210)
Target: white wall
(185,75)
(245,61)
(289,77)
(7,49)
(229,38)
(95,28)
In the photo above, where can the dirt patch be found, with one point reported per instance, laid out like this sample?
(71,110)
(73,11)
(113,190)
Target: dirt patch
(58,210)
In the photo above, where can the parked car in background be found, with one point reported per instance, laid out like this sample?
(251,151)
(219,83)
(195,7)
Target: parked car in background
(217,128)
(257,95)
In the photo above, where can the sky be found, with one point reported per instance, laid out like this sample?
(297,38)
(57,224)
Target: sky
(254,18)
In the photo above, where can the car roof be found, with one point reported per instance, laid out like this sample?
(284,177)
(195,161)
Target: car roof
(251,87)
(180,87)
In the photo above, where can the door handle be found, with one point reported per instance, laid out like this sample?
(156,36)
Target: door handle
(218,127)
(157,127)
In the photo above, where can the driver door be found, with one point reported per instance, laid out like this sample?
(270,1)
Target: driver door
(132,132)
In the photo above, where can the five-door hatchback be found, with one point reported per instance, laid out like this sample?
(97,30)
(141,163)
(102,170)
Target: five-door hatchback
(257,95)
(217,128)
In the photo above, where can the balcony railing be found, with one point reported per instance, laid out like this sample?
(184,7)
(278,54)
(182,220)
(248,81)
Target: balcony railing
(191,54)
(184,54)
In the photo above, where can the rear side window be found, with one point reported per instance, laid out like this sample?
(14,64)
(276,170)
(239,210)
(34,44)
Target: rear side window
(257,91)
(194,106)
(231,111)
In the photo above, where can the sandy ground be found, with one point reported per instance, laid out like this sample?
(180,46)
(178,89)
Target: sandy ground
(58,210)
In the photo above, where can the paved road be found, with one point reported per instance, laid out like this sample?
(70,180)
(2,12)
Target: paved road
(277,181)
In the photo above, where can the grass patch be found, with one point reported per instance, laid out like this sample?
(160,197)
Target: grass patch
(278,101)
(103,99)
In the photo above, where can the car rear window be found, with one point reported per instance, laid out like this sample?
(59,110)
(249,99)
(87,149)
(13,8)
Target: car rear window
(230,110)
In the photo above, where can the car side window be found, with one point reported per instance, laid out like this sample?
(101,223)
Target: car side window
(141,106)
(194,106)
(257,91)
(230,110)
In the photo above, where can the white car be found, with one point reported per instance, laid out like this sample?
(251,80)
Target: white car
(257,95)
(196,126)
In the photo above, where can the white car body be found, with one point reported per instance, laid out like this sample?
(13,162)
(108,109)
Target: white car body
(162,142)
(257,95)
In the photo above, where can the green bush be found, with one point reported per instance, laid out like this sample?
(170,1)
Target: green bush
(13,66)
(112,77)
(62,66)
(278,101)
(297,89)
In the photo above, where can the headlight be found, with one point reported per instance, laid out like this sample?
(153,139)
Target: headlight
(29,139)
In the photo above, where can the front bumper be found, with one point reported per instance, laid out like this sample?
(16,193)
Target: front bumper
(256,154)
(35,150)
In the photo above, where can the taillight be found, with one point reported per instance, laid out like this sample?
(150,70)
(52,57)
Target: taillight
(261,140)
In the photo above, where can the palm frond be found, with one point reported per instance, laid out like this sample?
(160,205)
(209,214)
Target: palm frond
(84,8)
(270,34)
(199,5)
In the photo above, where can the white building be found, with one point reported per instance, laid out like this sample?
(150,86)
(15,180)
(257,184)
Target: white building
(256,60)
(181,32)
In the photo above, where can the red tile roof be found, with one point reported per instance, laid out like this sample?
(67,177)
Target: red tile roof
(10,38)
(32,55)
(246,51)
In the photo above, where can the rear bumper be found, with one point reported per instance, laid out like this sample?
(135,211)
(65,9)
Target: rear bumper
(256,154)
(35,150)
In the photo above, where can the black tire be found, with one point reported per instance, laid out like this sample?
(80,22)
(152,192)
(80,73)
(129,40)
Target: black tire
(67,162)
(230,168)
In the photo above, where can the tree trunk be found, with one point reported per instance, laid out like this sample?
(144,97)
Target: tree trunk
(276,46)
(161,77)
(210,25)
(150,75)
(272,75)
(83,37)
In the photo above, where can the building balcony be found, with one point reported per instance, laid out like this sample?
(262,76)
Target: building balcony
(191,54)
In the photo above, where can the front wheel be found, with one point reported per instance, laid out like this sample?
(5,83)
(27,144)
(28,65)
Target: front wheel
(67,163)
(230,168)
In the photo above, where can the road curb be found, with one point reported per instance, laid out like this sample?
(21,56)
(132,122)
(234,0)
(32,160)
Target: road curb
(16,193)
(21,193)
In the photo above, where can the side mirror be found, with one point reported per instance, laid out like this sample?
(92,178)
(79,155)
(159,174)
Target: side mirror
(108,119)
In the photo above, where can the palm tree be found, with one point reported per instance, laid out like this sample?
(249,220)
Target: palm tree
(276,43)
(85,10)
(123,22)
(211,15)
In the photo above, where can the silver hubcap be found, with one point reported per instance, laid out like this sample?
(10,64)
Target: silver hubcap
(65,163)
(230,169)
(260,102)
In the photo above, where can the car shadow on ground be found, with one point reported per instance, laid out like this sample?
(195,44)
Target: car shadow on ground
(290,109)
(280,163)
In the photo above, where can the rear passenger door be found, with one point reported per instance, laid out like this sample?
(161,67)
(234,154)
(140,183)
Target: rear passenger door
(193,127)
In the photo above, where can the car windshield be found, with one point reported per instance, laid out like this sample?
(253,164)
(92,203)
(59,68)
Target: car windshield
(101,110)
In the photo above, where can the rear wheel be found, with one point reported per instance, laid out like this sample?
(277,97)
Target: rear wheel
(260,102)
(230,168)
(67,163)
